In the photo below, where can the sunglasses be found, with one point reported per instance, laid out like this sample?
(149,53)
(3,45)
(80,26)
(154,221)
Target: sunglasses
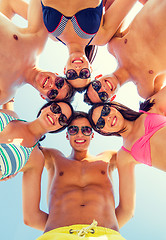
(52,94)
(71,74)
(73,130)
(55,108)
(102,95)
(104,112)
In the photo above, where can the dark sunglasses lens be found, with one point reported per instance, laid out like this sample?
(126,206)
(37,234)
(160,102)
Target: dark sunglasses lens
(73,130)
(71,74)
(106,110)
(96,85)
(100,123)
(84,73)
(63,120)
(52,94)
(103,96)
(55,108)
(59,83)
(87,131)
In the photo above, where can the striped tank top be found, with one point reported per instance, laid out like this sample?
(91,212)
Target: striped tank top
(13,157)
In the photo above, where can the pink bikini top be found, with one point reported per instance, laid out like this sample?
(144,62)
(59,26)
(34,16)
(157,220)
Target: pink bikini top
(140,150)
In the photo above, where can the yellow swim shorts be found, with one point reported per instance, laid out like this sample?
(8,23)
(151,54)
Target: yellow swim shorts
(75,232)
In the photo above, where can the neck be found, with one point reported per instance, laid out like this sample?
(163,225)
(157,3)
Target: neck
(122,75)
(79,155)
(30,75)
(129,128)
(36,129)
(74,47)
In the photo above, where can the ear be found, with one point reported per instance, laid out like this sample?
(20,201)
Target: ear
(67,136)
(42,96)
(92,136)
(98,76)
(112,99)
(64,70)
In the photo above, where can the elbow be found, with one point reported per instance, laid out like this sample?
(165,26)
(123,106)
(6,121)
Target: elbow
(28,221)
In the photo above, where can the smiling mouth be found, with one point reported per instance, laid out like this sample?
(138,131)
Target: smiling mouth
(114,121)
(109,85)
(77,61)
(50,119)
(80,141)
(45,82)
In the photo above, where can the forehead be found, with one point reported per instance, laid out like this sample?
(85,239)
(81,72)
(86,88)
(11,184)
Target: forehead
(93,95)
(96,114)
(81,122)
(66,110)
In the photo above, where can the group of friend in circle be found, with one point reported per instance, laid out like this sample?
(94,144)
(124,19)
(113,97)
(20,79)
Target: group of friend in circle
(82,27)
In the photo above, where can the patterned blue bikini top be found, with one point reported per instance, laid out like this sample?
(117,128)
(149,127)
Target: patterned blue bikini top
(13,157)
(85,22)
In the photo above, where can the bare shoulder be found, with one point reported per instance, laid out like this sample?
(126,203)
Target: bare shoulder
(109,156)
(124,158)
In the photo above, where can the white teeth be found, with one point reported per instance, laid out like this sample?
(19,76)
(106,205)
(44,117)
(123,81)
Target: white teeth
(80,141)
(77,61)
(51,120)
(109,84)
(113,122)
(45,83)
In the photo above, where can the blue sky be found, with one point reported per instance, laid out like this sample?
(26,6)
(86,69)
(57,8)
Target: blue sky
(148,222)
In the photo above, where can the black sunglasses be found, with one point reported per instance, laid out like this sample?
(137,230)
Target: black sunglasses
(73,130)
(102,95)
(55,108)
(104,112)
(52,94)
(71,74)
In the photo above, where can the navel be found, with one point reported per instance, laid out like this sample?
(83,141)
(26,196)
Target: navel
(151,72)
(82,205)
(102,172)
(125,41)
(61,173)
(15,37)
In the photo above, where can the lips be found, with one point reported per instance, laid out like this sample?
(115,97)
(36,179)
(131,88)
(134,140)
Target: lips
(77,60)
(45,82)
(80,141)
(50,119)
(109,85)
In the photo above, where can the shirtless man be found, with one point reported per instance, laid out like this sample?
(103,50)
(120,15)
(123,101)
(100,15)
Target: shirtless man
(79,191)
(141,54)
(19,48)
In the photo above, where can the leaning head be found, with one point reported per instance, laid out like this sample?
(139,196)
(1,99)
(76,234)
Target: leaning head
(55,116)
(110,118)
(102,89)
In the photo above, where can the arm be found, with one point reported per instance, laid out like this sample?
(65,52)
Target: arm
(113,17)
(125,210)
(31,191)
(160,102)
(8,108)
(11,7)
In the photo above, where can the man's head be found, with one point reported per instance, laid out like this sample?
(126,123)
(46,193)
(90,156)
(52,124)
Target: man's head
(53,87)
(102,89)
(79,132)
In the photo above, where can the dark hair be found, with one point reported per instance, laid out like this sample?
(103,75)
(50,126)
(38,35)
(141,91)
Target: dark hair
(147,104)
(90,52)
(69,120)
(126,112)
(79,114)
(87,99)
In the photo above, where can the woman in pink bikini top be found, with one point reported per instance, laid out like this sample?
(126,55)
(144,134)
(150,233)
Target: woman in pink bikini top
(143,132)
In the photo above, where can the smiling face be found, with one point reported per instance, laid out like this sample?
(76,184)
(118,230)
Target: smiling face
(77,62)
(46,82)
(80,142)
(52,121)
(113,122)
(107,84)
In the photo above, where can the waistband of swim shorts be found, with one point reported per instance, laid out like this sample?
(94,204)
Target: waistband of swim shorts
(72,229)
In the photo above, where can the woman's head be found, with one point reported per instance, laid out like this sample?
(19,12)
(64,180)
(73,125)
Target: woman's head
(55,116)
(78,67)
(109,118)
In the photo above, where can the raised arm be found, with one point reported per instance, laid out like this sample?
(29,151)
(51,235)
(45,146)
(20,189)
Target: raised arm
(8,108)
(113,17)
(126,207)
(31,191)
(11,7)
